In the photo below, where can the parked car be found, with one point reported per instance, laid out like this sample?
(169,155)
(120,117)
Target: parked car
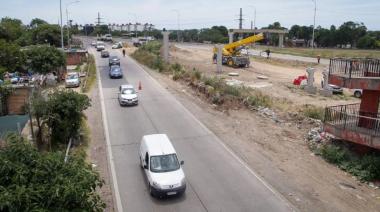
(334,88)
(105,53)
(160,162)
(128,95)
(358,93)
(100,47)
(72,80)
(117,45)
(93,43)
(115,72)
(114,60)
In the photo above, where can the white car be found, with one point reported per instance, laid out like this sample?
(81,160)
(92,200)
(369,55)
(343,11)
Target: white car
(128,95)
(100,47)
(117,45)
(72,80)
(93,43)
(161,165)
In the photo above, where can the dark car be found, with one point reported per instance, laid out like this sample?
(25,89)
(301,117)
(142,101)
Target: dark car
(113,60)
(105,53)
(115,72)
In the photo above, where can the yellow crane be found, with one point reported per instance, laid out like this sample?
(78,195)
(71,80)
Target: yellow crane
(231,53)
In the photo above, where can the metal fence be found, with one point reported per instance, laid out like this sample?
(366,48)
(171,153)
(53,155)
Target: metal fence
(351,118)
(355,67)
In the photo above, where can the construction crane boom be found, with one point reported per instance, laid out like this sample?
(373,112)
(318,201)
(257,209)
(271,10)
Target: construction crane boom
(231,52)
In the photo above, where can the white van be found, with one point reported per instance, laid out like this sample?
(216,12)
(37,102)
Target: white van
(161,165)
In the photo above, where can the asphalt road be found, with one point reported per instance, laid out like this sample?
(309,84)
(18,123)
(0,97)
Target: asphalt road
(217,180)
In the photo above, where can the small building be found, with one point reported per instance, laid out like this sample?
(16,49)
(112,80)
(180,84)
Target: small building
(75,56)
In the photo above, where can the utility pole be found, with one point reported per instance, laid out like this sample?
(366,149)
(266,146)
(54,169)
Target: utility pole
(241,19)
(98,22)
(254,17)
(315,13)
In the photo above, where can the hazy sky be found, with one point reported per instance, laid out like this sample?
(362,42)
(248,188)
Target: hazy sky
(199,13)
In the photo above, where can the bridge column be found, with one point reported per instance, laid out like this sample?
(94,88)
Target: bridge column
(165,45)
(231,37)
(281,40)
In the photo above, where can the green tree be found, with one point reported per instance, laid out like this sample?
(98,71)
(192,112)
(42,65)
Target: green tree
(35,181)
(44,59)
(37,22)
(366,42)
(11,29)
(64,114)
(11,58)
(350,32)
(48,34)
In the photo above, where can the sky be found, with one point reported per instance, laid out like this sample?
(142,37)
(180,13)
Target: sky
(198,13)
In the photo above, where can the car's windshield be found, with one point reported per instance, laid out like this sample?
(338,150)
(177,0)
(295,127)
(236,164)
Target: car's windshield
(128,91)
(116,69)
(72,76)
(164,163)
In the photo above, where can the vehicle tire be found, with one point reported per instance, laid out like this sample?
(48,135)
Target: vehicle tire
(151,190)
(358,94)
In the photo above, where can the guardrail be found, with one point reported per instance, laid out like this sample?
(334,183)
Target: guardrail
(349,117)
(355,67)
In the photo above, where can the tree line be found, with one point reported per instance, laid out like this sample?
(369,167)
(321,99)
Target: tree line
(350,35)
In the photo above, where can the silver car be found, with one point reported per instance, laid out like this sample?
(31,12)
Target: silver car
(72,80)
(128,95)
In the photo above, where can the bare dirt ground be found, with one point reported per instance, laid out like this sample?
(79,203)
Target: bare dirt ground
(278,84)
(97,149)
(276,151)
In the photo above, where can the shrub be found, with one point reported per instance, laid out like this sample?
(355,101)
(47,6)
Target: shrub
(366,167)
(232,90)
(257,99)
(35,181)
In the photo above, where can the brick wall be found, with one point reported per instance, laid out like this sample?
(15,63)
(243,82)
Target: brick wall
(16,101)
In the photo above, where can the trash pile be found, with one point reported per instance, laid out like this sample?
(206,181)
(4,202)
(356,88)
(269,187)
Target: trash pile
(266,112)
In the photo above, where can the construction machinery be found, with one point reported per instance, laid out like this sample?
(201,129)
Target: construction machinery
(232,55)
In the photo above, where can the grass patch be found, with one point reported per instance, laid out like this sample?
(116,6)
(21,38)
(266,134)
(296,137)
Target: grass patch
(314,112)
(365,167)
(91,75)
(324,53)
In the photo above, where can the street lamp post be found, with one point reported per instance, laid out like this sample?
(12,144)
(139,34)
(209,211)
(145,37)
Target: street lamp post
(60,12)
(315,12)
(177,11)
(67,21)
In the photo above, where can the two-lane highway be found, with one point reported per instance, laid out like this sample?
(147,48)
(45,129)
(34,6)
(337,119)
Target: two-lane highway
(217,180)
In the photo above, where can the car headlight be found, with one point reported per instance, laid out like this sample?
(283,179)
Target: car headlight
(156,185)
(135,99)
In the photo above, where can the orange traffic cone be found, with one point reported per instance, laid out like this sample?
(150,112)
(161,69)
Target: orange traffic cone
(140,87)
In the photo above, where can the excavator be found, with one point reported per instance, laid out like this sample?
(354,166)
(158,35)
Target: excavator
(231,53)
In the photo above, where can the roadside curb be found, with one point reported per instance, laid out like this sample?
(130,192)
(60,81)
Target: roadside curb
(116,193)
